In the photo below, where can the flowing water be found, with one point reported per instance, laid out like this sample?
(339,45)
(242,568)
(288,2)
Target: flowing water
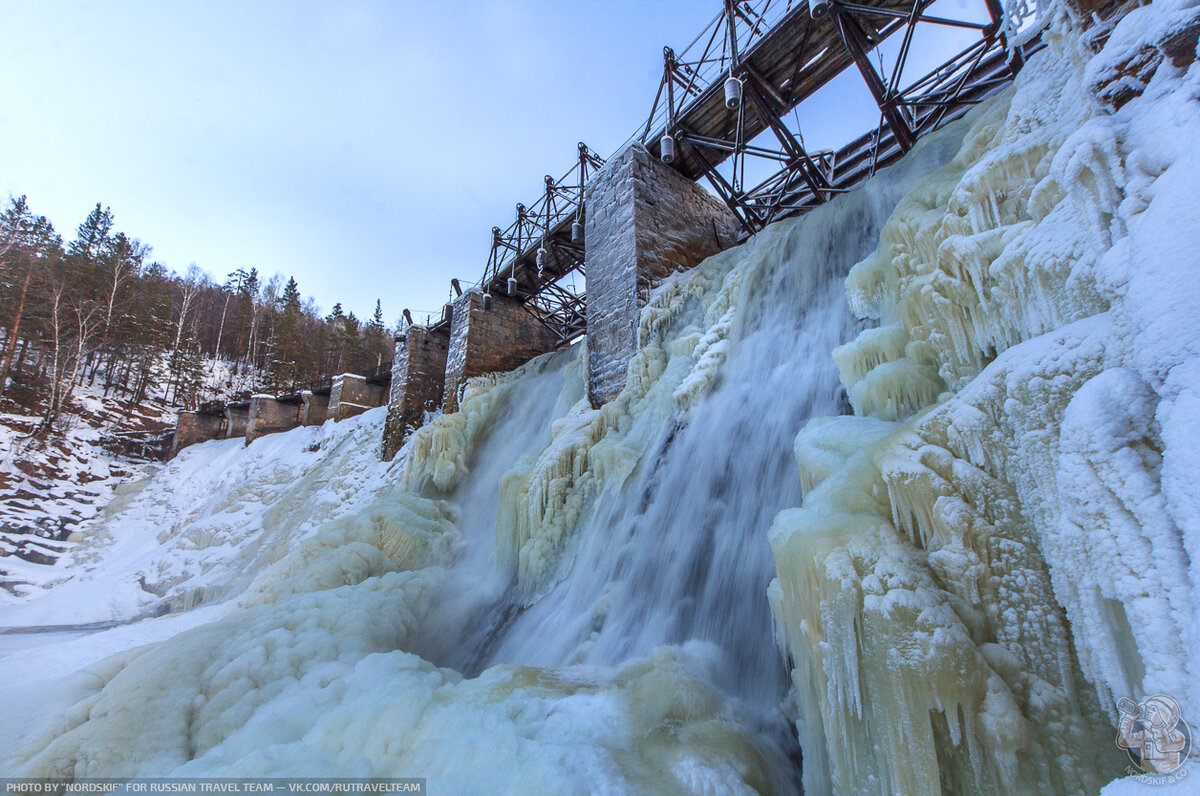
(597,580)
(677,552)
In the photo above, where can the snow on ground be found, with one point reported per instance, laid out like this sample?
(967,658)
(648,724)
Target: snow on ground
(51,485)
(193,531)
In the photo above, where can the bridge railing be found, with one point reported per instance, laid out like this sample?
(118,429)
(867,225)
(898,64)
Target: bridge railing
(562,200)
(810,41)
(708,58)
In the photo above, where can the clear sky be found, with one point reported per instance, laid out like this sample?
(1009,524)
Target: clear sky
(365,147)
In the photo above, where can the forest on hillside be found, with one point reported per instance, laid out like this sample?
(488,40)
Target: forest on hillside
(98,310)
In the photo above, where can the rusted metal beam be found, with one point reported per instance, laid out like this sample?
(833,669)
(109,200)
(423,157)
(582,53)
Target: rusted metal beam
(858,46)
(770,114)
(720,185)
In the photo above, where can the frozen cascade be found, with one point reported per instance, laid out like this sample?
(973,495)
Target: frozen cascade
(658,537)
(997,546)
(539,597)
(599,576)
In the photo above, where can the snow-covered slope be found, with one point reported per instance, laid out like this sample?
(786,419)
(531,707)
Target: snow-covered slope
(50,484)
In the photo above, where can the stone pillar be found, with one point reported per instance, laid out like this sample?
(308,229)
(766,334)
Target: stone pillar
(490,341)
(644,221)
(418,380)
(194,427)
(238,416)
(270,415)
(377,393)
(351,395)
(315,408)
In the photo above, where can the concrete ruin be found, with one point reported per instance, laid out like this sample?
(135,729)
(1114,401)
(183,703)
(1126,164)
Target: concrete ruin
(269,415)
(316,407)
(352,395)
(195,427)
(418,382)
(237,415)
(500,338)
(644,222)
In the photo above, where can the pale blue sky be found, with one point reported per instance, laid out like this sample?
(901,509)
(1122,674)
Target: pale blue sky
(365,148)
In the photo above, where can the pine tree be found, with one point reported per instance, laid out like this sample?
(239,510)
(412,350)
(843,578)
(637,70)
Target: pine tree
(287,335)
(248,292)
(355,353)
(185,368)
(375,337)
(92,237)
(28,242)
(335,321)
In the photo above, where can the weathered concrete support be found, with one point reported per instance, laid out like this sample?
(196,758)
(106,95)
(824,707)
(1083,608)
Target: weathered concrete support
(644,221)
(418,381)
(352,395)
(270,415)
(237,416)
(194,427)
(315,408)
(490,341)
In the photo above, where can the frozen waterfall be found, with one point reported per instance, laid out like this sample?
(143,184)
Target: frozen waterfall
(900,493)
(525,533)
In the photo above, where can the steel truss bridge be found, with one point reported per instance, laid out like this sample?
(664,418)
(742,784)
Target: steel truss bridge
(724,113)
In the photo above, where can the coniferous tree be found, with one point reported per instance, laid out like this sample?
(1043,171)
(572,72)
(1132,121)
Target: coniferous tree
(92,237)
(336,322)
(28,244)
(355,353)
(287,335)
(374,337)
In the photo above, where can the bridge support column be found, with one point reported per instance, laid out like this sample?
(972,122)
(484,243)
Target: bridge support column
(194,427)
(237,416)
(315,408)
(352,395)
(269,415)
(644,222)
(490,341)
(418,381)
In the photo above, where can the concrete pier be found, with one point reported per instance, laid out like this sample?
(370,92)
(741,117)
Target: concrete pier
(316,407)
(644,222)
(238,416)
(195,427)
(418,382)
(498,339)
(352,395)
(269,415)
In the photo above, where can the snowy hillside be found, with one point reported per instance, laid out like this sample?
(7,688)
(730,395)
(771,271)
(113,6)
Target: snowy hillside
(50,483)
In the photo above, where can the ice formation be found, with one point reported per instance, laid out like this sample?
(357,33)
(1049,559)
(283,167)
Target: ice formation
(997,546)
(300,668)
(534,596)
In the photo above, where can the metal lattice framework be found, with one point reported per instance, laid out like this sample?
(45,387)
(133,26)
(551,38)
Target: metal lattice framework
(772,55)
(777,54)
(536,258)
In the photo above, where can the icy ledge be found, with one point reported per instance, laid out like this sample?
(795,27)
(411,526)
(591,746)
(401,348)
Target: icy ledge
(997,547)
